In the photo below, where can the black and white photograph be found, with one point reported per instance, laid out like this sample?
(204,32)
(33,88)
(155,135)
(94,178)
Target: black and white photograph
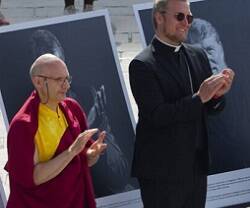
(229,132)
(83,42)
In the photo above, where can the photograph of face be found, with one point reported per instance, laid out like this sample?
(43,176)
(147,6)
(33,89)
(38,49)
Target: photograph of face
(229,132)
(205,36)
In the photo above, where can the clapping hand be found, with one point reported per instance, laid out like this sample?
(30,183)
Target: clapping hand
(228,76)
(97,148)
(79,144)
(216,85)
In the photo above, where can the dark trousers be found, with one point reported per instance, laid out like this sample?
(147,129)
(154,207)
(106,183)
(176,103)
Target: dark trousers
(72,2)
(162,193)
(69,2)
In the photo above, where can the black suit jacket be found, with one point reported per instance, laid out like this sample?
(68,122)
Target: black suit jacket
(171,118)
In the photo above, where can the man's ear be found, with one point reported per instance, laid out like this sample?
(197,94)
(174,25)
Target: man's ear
(37,82)
(159,18)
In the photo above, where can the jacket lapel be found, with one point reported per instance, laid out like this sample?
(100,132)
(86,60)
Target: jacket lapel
(164,65)
(191,59)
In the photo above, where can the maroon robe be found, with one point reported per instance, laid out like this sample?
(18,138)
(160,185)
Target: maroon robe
(72,188)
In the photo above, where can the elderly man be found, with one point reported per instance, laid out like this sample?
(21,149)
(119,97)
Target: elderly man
(204,35)
(49,147)
(174,88)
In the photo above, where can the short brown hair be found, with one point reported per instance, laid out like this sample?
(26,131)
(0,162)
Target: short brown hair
(160,6)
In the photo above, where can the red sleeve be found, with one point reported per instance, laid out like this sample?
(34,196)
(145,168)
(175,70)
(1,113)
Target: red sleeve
(21,153)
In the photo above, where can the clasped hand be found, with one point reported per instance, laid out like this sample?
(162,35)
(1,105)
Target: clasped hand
(216,85)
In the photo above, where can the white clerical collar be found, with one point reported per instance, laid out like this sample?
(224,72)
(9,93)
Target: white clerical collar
(177,48)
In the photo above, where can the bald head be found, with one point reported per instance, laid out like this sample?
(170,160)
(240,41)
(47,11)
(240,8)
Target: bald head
(45,62)
(50,77)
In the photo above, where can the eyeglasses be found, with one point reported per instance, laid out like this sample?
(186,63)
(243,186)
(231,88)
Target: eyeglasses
(59,80)
(181,16)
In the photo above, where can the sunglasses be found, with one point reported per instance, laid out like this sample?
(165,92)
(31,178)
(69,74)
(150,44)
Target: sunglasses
(181,16)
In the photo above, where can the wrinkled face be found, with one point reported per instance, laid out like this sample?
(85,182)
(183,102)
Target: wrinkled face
(214,51)
(169,28)
(55,82)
